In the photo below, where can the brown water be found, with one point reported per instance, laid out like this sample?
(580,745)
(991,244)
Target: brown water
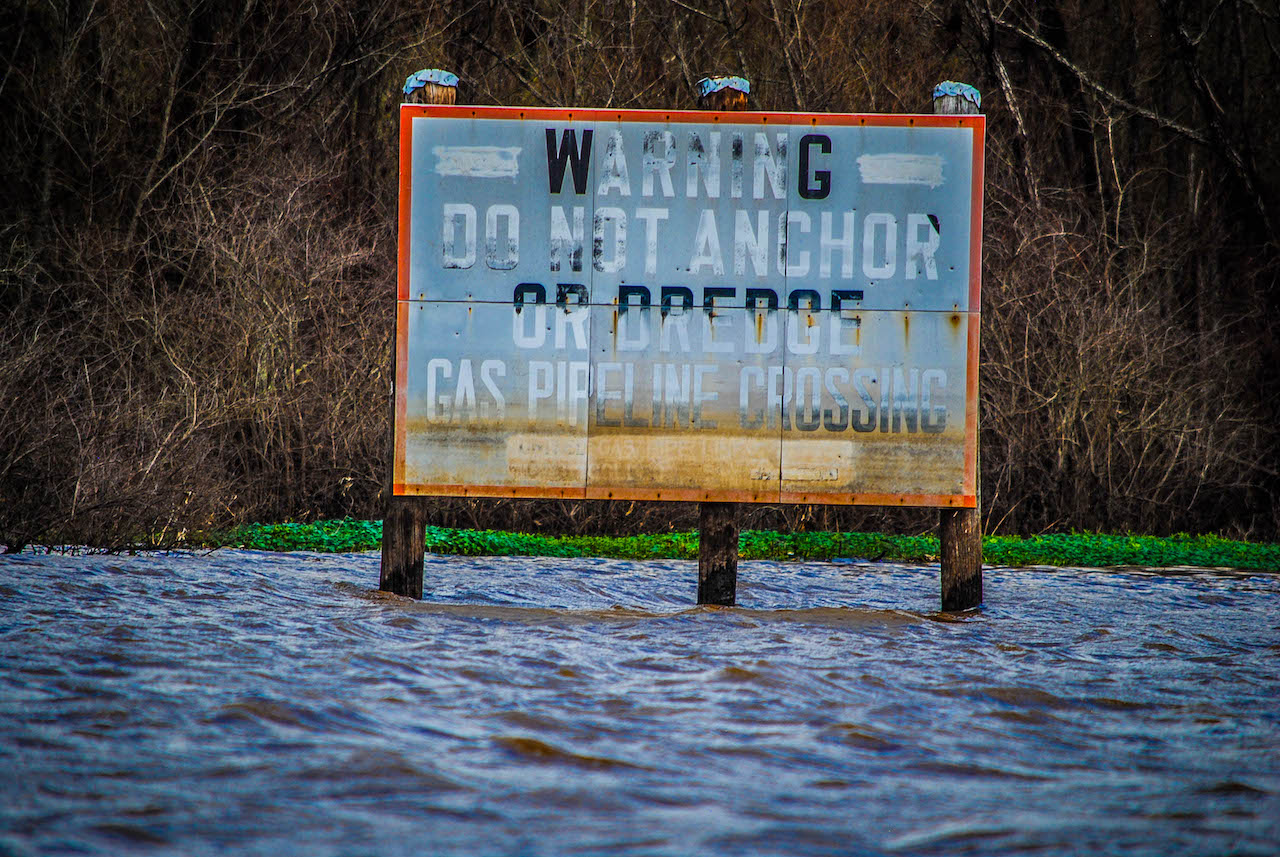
(276,704)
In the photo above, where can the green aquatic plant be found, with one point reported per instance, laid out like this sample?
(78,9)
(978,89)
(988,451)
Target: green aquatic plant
(339,536)
(1101,550)
(1089,550)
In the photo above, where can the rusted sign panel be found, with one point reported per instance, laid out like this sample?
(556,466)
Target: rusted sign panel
(674,305)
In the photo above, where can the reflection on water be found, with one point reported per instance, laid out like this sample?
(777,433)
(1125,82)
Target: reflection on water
(250,703)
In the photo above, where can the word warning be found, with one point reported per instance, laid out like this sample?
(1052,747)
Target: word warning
(669,305)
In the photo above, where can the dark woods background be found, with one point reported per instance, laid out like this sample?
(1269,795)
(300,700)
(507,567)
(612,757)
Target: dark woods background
(197,241)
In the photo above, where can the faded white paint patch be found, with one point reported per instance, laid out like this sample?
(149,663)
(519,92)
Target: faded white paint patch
(810,474)
(478,162)
(897,168)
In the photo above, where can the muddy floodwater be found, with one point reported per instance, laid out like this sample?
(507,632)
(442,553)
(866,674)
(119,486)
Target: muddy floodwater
(275,704)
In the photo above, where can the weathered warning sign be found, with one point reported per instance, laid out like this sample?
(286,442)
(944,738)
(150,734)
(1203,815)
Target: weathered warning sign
(679,305)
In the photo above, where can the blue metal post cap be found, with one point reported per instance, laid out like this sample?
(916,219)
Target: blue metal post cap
(708,85)
(964,90)
(419,79)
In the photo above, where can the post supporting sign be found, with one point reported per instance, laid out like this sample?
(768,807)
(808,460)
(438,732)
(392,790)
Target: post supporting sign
(680,305)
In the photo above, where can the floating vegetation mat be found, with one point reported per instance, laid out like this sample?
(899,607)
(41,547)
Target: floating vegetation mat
(1090,550)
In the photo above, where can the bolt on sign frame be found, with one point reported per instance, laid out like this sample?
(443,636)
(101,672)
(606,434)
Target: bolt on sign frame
(683,305)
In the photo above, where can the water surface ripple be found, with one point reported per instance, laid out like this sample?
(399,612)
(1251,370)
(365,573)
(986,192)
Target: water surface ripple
(266,704)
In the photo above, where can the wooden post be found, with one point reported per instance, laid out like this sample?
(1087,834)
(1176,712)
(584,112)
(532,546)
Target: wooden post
(718,522)
(960,530)
(404,518)
(431,86)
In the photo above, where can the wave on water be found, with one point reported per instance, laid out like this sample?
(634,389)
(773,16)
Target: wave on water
(256,703)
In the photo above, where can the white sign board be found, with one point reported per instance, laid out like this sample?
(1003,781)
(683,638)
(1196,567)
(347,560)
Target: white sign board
(695,306)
